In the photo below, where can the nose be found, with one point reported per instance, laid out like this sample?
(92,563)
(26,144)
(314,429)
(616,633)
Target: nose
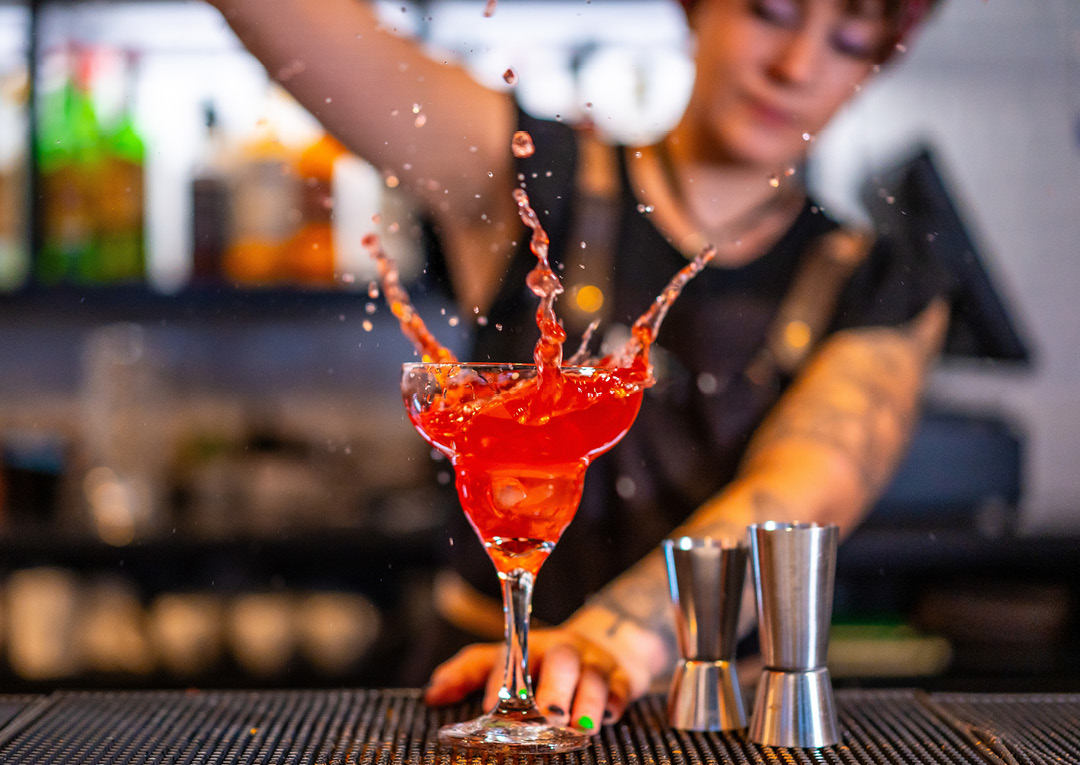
(797,60)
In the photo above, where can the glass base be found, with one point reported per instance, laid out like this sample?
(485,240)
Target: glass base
(497,732)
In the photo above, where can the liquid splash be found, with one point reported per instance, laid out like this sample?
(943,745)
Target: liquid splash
(412,325)
(546,285)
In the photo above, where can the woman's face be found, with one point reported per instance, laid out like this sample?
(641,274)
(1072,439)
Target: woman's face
(772,73)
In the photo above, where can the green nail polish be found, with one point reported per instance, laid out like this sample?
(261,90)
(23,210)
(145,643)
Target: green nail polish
(585,723)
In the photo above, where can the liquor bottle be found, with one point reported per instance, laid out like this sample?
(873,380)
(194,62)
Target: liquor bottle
(120,207)
(210,204)
(308,257)
(12,222)
(69,158)
(14,198)
(265,209)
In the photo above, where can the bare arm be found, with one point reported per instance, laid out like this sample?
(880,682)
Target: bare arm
(823,455)
(445,136)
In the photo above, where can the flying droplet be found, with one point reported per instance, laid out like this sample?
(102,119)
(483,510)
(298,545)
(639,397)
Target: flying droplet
(420,121)
(510,77)
(489,9)
(348,278)
(774,181)
(522,145)
(373,289)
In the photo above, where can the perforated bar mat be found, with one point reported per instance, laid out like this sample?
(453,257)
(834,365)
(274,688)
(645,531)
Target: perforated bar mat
(371,727)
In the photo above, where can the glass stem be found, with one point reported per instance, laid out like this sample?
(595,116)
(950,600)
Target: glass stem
(516,695)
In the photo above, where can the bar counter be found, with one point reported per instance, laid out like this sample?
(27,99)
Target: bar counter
(393,727)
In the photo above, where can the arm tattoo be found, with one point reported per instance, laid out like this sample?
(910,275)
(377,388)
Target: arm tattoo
(640,597)
(861,403)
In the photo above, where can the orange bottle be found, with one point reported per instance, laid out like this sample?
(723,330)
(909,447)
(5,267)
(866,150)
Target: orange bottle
(308,257)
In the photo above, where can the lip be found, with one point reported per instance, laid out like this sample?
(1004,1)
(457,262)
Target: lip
(769,114)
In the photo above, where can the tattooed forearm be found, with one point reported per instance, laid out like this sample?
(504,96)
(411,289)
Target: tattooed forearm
(859,399)
(640,597)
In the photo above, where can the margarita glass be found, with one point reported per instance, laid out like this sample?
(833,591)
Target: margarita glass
(520,438)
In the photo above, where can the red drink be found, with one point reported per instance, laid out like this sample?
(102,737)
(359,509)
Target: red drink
(520,445)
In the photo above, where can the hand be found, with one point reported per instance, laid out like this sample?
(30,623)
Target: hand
(577,681)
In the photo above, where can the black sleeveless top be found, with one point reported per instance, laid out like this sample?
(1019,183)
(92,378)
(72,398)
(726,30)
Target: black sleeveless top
(694,424)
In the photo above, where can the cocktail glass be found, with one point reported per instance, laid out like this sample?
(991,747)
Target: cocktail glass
(520,438)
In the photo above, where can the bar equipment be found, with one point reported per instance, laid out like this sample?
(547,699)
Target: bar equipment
(794,567)
(706,578)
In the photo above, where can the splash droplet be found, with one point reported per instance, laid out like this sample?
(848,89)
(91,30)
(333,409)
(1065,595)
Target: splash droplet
(489,9)
(420,121)
(510,77)
(522,145)
(774,181)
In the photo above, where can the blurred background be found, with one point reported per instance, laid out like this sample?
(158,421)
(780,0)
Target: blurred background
(205,474)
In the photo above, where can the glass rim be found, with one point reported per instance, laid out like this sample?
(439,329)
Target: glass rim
(792,526)
(507,365)
(690,542)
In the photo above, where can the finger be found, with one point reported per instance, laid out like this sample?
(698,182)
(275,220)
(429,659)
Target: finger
(460,675)
(559,675)
(590,701)
(618,695)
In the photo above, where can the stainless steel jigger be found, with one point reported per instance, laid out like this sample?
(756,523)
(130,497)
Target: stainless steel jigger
(794,569)
(706,579)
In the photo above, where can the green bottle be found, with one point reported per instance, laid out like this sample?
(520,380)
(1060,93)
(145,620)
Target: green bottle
(69,158)
(120,201)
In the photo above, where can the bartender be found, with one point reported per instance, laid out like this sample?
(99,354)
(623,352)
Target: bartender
(789,373)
